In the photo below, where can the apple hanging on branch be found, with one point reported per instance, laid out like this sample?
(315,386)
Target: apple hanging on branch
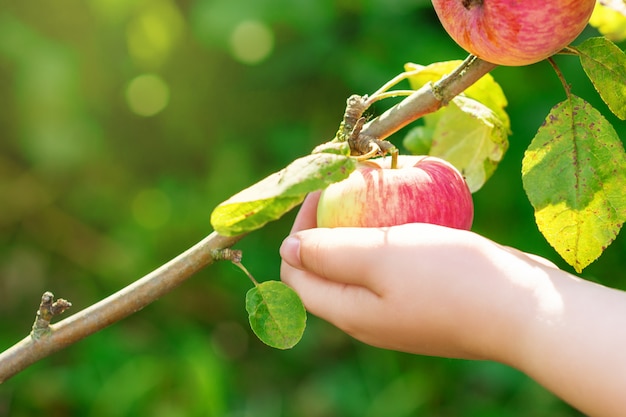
(422,189)
(513,32)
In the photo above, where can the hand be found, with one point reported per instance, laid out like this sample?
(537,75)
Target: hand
(432,290)
(417,288)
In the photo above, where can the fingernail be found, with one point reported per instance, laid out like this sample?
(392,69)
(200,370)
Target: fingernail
(290,251)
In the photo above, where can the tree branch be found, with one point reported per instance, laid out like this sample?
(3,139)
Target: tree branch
(113,308)
(428,99)
(161,281)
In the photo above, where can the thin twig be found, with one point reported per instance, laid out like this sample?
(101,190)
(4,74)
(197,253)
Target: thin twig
(559,74)
(113,308)
(392,94)
(388,85)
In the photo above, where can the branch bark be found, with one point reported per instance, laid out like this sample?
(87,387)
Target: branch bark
(164,279)
(428,99)
(113,308)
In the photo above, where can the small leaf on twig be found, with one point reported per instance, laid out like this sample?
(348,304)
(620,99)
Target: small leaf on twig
(276,313)
(574,173)
(275,195)
(605,65)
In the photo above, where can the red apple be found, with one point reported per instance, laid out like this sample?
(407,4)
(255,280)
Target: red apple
(422,189)
(513,32)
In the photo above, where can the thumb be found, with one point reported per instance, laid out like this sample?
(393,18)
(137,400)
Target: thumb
(344,255)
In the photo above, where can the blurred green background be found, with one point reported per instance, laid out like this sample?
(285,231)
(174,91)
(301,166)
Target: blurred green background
(125,122)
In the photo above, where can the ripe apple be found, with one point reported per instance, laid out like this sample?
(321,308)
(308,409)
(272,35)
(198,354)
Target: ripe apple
(513,32)
(422,189)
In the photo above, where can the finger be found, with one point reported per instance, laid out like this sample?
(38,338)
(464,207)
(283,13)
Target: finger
(307,216)
(353,256)
(541,260)
(371,256)
(332,301)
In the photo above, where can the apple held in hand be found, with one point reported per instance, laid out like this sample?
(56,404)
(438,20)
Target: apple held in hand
(513,32)
(422,189)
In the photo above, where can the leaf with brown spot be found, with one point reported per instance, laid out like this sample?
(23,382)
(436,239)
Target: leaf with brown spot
(574,173)
(272,197)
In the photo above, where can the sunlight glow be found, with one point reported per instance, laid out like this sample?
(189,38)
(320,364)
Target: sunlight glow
(251,42)
(147,95)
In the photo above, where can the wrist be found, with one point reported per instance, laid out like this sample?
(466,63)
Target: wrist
(517,297)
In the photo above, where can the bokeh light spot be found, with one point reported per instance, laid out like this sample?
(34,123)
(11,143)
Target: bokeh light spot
(147,95)
(154,32)
(251,42)
(151,208)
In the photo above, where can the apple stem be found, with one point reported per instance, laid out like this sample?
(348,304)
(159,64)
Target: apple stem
(468,4)
(566,86)
(394,158)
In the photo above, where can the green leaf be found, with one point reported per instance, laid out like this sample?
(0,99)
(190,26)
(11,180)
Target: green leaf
(275,195)
(276,313)
(605,65)
(610,19)
(472,138)
(418,140)
(574,173)
(334,146)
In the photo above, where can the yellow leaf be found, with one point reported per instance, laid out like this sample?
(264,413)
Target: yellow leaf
(609,17)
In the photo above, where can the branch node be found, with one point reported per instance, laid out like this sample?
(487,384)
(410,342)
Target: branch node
(48,308)
(227,254)
(361,146)
(438,92)
(355,107)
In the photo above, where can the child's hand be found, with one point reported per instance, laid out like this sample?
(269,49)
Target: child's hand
(438,291)
(417,288)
